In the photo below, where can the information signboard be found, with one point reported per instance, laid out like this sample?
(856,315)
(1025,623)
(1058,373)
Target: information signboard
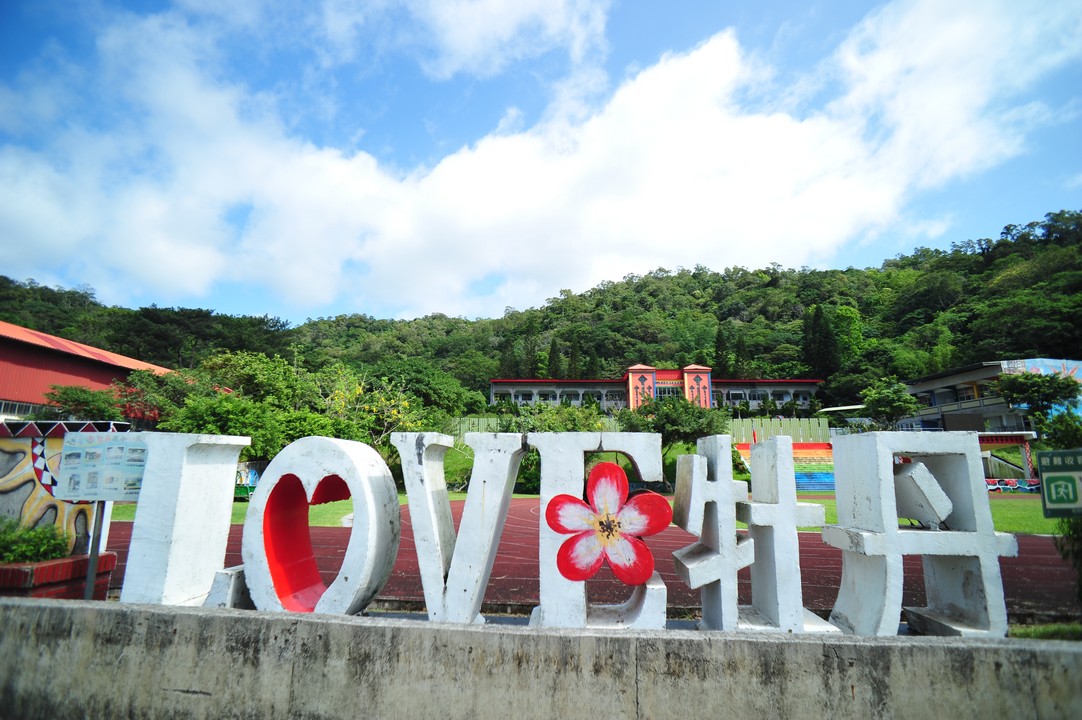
(1061,482)
(101,466)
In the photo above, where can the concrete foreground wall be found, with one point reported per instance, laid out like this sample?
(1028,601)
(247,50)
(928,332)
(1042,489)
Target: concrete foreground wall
(104,660)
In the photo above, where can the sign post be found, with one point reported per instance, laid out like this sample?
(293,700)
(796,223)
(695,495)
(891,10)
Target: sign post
(1061,482)
(98,467)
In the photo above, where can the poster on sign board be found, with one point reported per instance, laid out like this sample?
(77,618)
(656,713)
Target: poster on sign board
(101,466)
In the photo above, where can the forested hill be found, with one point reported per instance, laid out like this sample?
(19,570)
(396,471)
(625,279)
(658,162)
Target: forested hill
(1019,295)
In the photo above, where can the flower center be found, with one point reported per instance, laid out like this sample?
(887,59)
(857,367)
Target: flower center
(607,528)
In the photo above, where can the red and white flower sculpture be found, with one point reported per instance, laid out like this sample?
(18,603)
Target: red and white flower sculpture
(611,527)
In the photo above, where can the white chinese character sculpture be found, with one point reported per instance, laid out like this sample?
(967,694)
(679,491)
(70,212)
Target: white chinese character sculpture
(773,516)
(938,478)
(705,505)
(708,503)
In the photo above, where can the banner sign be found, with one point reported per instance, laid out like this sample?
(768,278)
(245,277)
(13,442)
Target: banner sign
(101,466)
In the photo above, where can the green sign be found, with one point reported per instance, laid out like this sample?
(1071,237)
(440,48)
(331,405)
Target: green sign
(1061,482)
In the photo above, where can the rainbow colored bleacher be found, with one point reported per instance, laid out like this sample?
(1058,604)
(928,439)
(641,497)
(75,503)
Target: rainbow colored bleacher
(814,466)
(812,462)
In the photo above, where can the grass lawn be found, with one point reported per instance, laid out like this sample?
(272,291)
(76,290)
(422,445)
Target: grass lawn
(1018,514)
(1021,514)
(1053,631)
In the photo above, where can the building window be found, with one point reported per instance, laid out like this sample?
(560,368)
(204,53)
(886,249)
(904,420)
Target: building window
(12,409)
(965,392)
(664,391)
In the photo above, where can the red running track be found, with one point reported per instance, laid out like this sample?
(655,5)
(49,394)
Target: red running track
(1038,585)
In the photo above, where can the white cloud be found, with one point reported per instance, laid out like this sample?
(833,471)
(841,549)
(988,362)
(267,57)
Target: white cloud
(482,36)
(244,13)
(937,81)
(449,37)
(674,169)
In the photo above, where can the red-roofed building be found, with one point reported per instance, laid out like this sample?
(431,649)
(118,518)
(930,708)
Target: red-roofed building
(31,362)
(643,382)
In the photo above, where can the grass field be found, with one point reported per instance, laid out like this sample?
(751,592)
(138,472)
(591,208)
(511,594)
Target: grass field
(1021,514)
(1052,631)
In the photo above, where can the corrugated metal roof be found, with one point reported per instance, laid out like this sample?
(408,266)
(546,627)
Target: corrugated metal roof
(69,347)
(28,372)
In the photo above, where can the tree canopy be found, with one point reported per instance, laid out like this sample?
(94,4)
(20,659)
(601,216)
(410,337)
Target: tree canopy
(1015,296)
(887,400)
(675,419)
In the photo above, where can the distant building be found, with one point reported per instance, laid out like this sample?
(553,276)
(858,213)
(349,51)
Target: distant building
(31,362)
(642,383)
(963,398)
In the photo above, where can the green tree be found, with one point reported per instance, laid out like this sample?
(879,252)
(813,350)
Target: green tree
(509,359)
(547,418)
(821,351)
(886,401)
(228,414)
(434,387)
(473,369)
(848,329)
(1063,430)
(74,402)
(272,380)
(675,419)
(146,397)
(723,356)
(1036,393)
(1068,541)
(574,360)
(555,360)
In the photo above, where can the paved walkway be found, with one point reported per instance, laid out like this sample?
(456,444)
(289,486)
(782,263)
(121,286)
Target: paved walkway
(1038,584)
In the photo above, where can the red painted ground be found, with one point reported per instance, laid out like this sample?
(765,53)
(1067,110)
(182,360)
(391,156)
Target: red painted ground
(1038,584)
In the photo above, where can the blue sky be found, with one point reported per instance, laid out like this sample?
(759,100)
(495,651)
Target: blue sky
(405,157)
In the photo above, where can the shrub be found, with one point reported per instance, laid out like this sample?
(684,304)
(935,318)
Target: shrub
(1069,543)
(30,544)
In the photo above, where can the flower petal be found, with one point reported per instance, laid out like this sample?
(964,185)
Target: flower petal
(645,514)
(607,488)
(568,514)
(631,561)
(580,557)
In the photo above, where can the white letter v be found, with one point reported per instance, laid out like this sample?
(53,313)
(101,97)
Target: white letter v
(455,572)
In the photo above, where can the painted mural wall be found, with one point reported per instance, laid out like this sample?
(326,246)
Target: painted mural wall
(29,461)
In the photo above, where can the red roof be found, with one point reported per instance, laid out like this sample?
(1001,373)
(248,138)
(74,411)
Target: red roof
(677,376)
(69,347)
(550,381)
(776,381)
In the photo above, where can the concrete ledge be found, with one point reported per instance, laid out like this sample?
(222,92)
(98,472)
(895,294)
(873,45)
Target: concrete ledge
(95,659)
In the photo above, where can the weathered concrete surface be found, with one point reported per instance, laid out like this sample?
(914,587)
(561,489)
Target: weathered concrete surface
(80,659)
